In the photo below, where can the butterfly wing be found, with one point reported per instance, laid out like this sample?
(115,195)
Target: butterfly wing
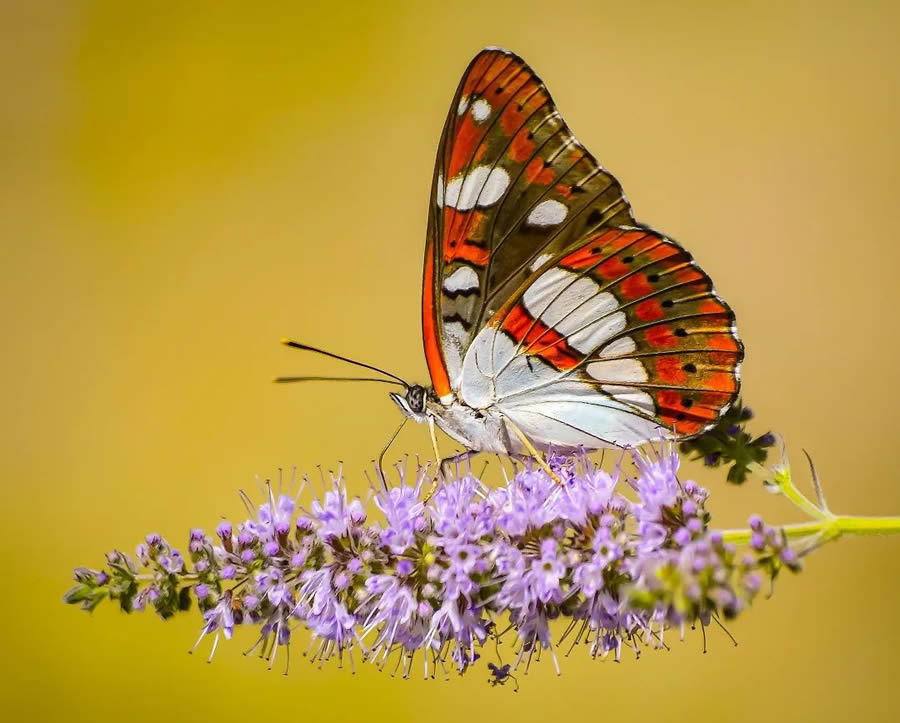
(512,187)
(618,340)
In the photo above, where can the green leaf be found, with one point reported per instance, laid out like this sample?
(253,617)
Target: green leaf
(729,443)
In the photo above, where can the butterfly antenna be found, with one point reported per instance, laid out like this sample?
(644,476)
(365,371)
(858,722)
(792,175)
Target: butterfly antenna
(283,380)
(306,347)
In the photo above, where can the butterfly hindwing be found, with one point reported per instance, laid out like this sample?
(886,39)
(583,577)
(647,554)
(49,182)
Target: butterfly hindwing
(512,188)
(619,339)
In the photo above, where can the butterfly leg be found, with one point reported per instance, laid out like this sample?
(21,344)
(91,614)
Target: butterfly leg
(437,458)
(456,458)
(441,461)
(434,444)
(532,451)
(462,456)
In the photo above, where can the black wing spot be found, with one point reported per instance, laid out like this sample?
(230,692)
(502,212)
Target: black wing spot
(653,278)
(627,259)
(460,293)
(686,402)
(466,324)
(690,368)
(680,332)
(498,90)
(668,304)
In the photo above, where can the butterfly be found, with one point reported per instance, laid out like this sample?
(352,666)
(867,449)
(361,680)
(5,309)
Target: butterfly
(551,319)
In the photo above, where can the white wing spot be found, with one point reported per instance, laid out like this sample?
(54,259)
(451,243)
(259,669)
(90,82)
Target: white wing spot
(632,396)
(548,213)
(618,370)
(483,186)
(463,104)
(463,279)
(575,308)
(481,110)
(494,187)
(620,347)
(455,340)
(540,261)
(439,193)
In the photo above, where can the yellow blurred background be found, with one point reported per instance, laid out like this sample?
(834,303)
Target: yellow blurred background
(182,184)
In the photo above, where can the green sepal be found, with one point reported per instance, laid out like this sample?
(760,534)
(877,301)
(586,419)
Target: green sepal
(88,595)
(184,598)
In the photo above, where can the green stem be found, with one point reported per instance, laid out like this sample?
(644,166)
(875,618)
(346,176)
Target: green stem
(150,577)
(830,528)
(802,501)
(779,480)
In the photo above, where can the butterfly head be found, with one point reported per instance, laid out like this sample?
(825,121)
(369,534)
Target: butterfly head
(412,403)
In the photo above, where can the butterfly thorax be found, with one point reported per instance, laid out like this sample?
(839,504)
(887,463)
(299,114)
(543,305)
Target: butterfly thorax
(481,430)
(476,429)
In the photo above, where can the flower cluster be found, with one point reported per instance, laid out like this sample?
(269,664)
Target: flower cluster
(619,558)
(728,443)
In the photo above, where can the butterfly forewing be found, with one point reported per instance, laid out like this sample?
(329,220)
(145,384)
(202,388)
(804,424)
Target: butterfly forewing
(512,188)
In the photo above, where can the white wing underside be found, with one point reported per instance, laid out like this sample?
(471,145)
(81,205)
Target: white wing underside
(552,408)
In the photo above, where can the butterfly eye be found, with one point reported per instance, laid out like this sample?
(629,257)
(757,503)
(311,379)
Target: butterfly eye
(416,398)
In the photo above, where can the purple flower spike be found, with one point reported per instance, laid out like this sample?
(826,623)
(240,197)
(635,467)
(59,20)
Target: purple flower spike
(620,558)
